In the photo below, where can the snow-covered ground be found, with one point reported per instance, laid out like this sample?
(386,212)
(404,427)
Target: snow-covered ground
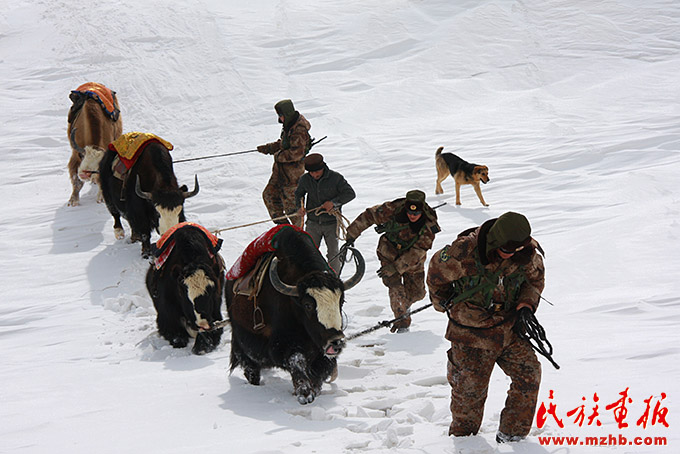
(574,106)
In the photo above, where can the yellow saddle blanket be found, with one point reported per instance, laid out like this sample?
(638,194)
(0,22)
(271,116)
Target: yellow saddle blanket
(129,144)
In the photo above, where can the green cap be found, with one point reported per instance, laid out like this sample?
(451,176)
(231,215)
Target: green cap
(415,200)
(510,229)
(415,196)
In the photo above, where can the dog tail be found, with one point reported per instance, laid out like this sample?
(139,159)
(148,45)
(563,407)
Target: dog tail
(439,151)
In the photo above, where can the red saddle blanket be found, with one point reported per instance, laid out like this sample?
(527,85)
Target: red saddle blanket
(162,248)
(102,94)
(259,246)
(129,146)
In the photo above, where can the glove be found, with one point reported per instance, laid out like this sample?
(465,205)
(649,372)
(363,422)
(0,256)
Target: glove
(387,270)
(349,242)
(262,149)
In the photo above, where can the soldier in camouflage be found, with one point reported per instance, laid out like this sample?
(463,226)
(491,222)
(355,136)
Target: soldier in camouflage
(408,226)
(484,278)
(289,153)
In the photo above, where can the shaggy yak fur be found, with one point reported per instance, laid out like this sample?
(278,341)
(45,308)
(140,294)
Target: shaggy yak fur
(187,292)
(150,197)
(300,332)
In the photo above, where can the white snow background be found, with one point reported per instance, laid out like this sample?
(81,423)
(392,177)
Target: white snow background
(573,105)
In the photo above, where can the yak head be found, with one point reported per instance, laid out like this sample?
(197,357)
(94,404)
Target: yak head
(90,157)
(203,290)
(318,297)
(168,202)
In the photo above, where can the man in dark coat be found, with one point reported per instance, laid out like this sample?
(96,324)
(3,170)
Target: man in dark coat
(326,191)
(408,226)
(289,152)
(491,273)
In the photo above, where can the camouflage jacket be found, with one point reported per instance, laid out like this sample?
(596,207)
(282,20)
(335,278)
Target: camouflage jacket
(289,152)
(489,289)
(403,244)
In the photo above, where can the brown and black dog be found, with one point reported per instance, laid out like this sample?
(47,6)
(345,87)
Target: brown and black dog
(462,172)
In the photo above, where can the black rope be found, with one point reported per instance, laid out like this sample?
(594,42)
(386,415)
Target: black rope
(386,323)
(214,156)
(314,142)
(342,253)
(234,153)
(528,328)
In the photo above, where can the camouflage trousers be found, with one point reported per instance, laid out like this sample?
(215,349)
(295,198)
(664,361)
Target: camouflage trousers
(469,372)
(404,290)
(280,202)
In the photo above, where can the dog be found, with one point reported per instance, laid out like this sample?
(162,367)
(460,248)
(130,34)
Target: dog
(463,172)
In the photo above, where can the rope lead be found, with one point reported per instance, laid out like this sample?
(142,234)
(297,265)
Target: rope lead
(528,328)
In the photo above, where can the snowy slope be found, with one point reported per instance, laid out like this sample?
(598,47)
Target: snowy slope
(574,107)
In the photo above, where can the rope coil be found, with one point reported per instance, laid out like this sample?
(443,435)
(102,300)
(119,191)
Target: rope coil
(528,328)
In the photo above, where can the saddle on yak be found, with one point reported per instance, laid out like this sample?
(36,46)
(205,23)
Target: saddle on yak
(162,248)
(128,147)
(100,93)
(250,269)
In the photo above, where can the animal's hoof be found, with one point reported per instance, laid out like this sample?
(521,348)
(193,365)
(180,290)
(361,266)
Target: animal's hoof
(204,344)
(252,375)
(202,349)
(179,342)
(304,400)
(305,394)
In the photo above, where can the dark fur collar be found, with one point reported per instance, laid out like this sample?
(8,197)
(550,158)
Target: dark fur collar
(289,122)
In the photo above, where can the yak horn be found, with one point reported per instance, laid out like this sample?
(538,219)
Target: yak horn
(361,269)
(279,285)
(141,194)
(195,191)
(72,139)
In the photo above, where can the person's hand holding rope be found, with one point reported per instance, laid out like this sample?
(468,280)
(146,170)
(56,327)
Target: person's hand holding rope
(328,207)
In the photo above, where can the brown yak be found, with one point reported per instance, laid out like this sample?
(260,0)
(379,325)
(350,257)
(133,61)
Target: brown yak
(93,122)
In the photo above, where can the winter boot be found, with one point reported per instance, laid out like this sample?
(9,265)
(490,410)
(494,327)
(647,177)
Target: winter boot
(505,438)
